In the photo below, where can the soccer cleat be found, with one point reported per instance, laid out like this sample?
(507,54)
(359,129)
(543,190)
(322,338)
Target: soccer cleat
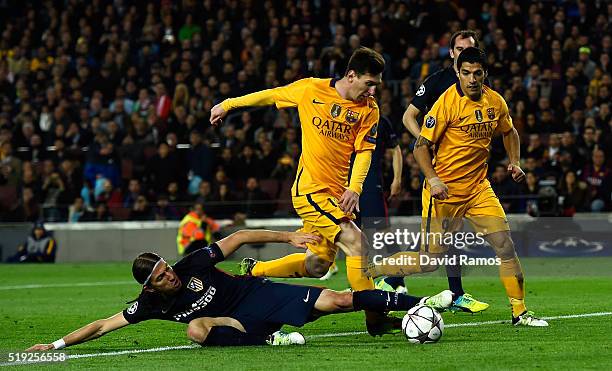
(245,267)
(528,319)
(467,303)
(381,284)
(286,338)
(385,325)
(330,273)
(439,302)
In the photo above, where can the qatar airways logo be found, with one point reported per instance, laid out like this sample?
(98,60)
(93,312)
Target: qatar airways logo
(479,130)
(332,129)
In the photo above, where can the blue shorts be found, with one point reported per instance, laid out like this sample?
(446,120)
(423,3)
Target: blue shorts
(270,306)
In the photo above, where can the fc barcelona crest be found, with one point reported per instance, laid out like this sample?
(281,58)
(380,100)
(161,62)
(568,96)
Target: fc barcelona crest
(490,113)
(478,115)
(335,110)
(351,116)
(195,284)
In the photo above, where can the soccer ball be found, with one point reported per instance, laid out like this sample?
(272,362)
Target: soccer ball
(422,324)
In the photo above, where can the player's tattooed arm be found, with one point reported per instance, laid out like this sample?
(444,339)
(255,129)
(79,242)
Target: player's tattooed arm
(420,142)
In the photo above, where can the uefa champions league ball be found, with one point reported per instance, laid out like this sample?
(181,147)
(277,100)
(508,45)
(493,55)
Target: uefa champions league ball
(422,324)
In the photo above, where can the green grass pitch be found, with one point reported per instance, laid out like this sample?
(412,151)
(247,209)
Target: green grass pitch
(555,287)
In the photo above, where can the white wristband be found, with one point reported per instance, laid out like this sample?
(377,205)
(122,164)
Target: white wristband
(59,344)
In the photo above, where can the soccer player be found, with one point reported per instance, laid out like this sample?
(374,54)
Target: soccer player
(461,124)
(424,99)
(222,309)
(374,214)
(338,118)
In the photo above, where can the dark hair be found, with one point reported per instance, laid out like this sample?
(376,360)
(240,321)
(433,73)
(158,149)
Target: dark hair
(143,266)
(463,34)
(365,60)
(472,55)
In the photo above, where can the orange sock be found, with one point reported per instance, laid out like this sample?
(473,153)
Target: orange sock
(355,273)
(288,266)
(511,275)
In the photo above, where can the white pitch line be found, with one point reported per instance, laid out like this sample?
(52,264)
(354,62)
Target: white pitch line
(339,334)
(53,285)
(122,352)
(469,324)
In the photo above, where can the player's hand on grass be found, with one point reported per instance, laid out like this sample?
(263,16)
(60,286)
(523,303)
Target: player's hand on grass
(438,189)
(396,189)
(349,201)
(517,173)
(217,113)
(40,347)
(300,239)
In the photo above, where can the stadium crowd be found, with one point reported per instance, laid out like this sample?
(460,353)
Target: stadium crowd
(104,104)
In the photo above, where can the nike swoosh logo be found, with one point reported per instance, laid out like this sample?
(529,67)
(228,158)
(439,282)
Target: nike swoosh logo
(307,296)
(317,102)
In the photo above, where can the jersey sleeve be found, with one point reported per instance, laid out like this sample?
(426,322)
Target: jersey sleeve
(203,257)
(505,121)
(139,311)
(436,120)
(423,94)
(291,95)
(368,132)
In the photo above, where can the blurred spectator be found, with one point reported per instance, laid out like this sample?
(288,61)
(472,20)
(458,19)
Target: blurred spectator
(164,210)
(10,166)
(54,198)
(599,181)
(39,247)
(204,192)
(134,190)
(256,203)
(28,208)
(162,169)
(196,225)
(201,159)
(101,213)
(141,210)
(573,194)
(504,186)
(77,212)
(109,196)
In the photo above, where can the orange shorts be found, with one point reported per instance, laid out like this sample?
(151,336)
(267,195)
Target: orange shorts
(481,208)
(321,215)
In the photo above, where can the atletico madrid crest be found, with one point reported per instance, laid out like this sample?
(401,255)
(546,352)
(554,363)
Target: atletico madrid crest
(195,284)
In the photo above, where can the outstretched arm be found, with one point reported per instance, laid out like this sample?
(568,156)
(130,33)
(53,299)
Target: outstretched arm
(89,332)
(512,144)
(260,98)
(232,242)
(283,96)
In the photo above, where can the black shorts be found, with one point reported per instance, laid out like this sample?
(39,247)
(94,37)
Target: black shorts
(272,305)
(374,213)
